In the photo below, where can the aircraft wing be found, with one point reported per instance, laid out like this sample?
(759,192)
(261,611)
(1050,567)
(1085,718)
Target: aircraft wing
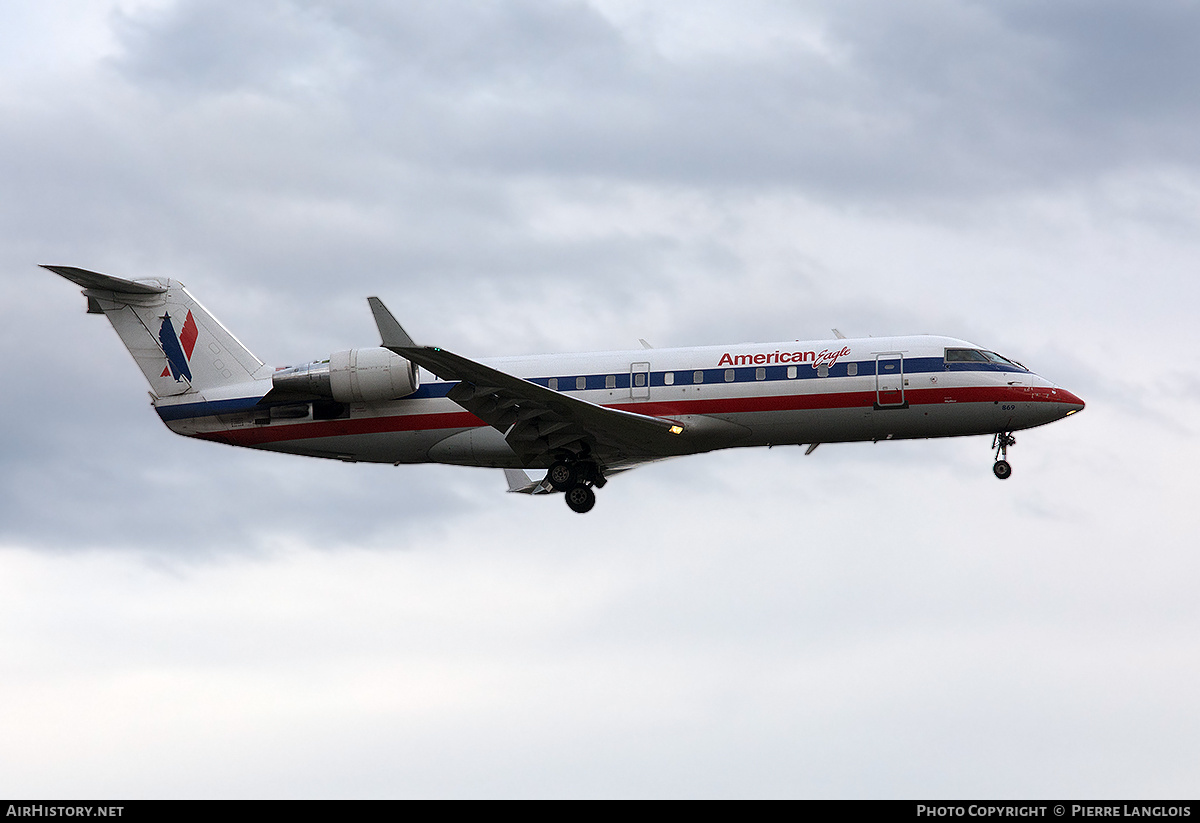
(537,421)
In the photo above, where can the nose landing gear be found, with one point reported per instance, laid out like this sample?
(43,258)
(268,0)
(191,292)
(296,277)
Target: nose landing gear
(1000,443)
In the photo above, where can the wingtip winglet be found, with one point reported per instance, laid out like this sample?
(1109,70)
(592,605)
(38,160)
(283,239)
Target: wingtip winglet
(391,332)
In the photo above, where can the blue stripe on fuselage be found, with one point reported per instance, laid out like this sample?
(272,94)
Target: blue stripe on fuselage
(593,382)
(183,411)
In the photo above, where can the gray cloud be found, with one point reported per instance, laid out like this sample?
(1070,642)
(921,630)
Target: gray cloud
(519,177)
(913,100)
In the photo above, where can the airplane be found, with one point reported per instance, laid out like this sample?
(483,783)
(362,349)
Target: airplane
(581,418)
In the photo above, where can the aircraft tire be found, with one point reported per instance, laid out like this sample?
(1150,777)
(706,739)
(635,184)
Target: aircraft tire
(1002,469)
(562,476)
(580,499)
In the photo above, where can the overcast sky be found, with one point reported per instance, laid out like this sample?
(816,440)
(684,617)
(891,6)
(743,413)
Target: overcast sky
(183,619)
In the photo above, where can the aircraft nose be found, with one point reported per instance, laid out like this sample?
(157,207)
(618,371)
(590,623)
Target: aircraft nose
(1073,401)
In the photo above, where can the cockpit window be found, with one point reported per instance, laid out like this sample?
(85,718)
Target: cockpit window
(1003,361)
(965,356)
(979,356)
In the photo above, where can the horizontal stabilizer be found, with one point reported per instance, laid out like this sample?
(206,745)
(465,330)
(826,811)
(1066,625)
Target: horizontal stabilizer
(177,344)
(103,282)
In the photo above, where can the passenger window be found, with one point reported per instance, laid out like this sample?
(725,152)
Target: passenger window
(851,369)
(729,375)
(669,379)
(610,382)
(553,384)
(581,383)
(698,377)
(823,370)
(791,372)
(639,379)
(760,374)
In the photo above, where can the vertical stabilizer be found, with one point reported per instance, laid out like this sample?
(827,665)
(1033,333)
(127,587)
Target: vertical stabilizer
(177,343)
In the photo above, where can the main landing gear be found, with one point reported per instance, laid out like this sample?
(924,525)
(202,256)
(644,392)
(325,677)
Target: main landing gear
(581,498)
(1000,443)
(575,479)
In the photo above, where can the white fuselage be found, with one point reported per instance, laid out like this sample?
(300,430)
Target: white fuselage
(819,391)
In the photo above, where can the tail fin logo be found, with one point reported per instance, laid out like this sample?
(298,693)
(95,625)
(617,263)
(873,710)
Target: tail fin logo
(178,347)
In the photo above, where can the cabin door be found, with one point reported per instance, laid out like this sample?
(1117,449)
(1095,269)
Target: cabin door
(639,381)
(889,380)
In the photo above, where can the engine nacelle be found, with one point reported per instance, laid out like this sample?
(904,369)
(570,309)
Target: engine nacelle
(371,375)
(354,376)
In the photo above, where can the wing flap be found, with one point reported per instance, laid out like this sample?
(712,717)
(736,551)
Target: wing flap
(519,482)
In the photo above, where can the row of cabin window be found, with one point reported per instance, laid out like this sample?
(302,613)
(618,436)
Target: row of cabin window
(639,378)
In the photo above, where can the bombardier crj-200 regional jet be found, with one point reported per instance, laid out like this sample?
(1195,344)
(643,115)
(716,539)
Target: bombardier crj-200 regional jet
(581,418)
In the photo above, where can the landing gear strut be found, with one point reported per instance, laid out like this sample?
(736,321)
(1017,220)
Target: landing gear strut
(1000,443)
(575,478)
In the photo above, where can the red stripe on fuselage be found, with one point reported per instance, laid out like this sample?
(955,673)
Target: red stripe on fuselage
(654,408)
(849,400)
(341,428)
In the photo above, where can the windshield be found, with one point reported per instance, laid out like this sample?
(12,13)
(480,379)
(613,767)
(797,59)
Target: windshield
(980,356)
(965,356)
(1003,361)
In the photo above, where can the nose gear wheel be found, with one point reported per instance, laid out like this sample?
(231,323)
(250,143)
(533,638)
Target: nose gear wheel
(1000,443)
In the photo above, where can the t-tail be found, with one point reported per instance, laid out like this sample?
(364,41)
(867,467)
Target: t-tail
(178,345)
